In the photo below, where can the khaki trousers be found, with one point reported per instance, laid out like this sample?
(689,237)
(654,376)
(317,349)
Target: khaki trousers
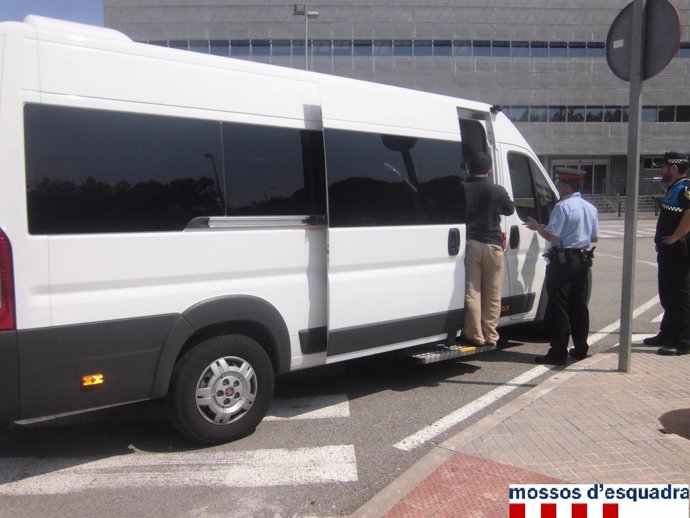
(483,281)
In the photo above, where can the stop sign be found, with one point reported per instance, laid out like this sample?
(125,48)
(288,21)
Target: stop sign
(661,32)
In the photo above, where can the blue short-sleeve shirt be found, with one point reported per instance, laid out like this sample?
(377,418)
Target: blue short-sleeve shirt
(574,221)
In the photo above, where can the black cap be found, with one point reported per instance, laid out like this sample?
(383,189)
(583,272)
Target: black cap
(569,174)
(671,158)
(480,163)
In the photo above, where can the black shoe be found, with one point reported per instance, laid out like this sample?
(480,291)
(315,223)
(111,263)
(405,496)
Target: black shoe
(672,351)
(577,355)
(657,340)
(547,359)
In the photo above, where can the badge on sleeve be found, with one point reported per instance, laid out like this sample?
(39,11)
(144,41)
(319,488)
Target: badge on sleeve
(686,192)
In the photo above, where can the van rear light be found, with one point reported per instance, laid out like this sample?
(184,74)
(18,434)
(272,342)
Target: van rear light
(7,315)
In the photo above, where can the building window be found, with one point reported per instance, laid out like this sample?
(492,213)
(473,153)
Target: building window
(363,48)
(443,48)
(462,48)
(576,114)
(239,48)
(281,48)
(322,47)
(613,114)
(683,113)
(383,47)
(519,113)
(538,114)
(261,48)
(199,46)
(342,47)
(539,49)
(594,114)
(667,114)
(423,48)
(402,47)
(500,49)
(557,113)
(519,49)
(649,113)
(481,48)
(220,48)
(595,49)
(577,49)
(558,49)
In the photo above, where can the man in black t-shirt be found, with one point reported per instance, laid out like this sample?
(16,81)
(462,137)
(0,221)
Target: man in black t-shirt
(486,202)
(673,257)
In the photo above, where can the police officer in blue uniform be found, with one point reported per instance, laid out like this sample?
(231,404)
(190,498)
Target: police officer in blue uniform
(573,226)
(673,257)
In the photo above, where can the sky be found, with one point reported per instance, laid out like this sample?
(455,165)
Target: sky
(83,11)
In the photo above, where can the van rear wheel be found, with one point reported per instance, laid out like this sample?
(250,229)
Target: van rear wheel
(221,389)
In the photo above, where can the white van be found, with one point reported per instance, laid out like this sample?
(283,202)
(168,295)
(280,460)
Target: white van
(185,225)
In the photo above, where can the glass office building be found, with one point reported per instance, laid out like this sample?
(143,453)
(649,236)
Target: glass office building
(543,61)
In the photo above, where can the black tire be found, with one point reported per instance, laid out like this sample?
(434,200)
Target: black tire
(221,389)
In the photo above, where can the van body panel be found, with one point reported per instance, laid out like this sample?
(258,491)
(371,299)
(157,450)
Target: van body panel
(9,377)
(53,360)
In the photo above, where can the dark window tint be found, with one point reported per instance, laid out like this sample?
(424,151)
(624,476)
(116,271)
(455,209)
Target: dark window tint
(322,47)
(594,114)
(102,171)
(423,48)
(402,47)
(270,170)
(577,49)
(595,49)
(220,48)
(281,48)
(576,114)
(380,180)
(239,48)
(363,47)
(383,47)
(481,48)
(558,49)
(519,113)
(649,113)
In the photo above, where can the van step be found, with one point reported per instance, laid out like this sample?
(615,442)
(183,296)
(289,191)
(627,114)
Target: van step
(440,352)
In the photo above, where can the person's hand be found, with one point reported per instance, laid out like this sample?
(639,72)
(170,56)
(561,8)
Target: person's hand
(532,224)
(669,240)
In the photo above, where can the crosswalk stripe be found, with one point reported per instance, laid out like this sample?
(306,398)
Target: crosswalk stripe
(315,407)
(258,468)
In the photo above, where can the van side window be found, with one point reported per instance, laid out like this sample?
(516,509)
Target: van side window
(91,171)
(266,172)
(382,180)
(533,195)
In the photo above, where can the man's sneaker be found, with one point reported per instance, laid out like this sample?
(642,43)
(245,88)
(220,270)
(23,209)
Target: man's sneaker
(577,355)
(672,351)
(547,359)
(657,340)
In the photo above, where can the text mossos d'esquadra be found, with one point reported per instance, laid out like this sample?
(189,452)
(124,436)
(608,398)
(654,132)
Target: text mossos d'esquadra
(600,491)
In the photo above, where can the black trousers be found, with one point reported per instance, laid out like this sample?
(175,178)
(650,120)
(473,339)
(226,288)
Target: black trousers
(567,286)
(674,293)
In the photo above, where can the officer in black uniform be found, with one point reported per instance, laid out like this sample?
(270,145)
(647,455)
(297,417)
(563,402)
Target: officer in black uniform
(573,226)
(673,257)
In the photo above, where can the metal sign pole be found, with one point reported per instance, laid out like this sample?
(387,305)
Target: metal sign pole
(632,184)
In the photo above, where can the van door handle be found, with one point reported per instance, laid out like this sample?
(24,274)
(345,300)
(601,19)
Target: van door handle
(453,241)
(514,237)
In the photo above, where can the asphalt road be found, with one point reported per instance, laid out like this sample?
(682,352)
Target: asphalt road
(334,437)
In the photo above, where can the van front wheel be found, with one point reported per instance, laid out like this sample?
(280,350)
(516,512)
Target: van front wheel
(221,389)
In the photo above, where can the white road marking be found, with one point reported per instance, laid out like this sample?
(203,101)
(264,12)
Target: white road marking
(258,468)
(316,407)
(445,423)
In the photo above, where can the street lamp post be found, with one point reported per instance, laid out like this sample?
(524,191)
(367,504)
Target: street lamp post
(301,10)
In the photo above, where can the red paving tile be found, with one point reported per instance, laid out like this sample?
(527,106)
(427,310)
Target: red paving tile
(465,486)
